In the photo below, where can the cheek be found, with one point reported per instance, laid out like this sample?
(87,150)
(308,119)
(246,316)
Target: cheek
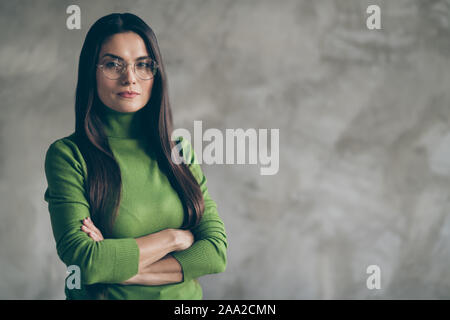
(147,88)
(104,87)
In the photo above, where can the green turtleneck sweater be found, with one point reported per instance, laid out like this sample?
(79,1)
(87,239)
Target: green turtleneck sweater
(149,204)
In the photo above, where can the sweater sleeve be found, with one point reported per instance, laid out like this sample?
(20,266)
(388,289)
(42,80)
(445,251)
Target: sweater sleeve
(208,254)
(107,261)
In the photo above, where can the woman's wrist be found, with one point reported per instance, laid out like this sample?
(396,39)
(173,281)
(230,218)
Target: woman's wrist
(155,246)
(173,239)
(155,279)
(183,239)
(164,271)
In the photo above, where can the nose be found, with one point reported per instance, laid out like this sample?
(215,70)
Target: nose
(128,75)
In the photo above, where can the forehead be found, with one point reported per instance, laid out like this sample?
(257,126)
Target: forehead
(128,45)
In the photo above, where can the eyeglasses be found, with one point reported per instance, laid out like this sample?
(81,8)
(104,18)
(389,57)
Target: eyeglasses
(113,69)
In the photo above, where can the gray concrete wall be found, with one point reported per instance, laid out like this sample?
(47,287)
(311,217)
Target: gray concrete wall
(364,123)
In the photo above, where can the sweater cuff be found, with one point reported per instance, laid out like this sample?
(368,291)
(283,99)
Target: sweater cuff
(190,260)
(127,259)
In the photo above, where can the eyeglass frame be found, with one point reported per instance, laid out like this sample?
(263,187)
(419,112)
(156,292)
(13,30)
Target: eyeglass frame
(125,67)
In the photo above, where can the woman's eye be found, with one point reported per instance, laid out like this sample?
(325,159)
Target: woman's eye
(112,64)
(143,65)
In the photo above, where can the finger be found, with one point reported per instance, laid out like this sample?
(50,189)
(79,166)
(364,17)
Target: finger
(91,235)
(94,236)
(86,229)
(92,225)
(87,222)
(99,237)
(88,226)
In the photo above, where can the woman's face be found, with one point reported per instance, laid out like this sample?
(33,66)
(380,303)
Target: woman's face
(127,46)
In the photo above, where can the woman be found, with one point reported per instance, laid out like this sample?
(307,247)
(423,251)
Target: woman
(136,224)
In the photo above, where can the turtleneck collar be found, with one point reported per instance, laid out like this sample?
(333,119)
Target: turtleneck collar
(126,125)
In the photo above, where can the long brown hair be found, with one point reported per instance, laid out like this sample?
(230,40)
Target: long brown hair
(104,182)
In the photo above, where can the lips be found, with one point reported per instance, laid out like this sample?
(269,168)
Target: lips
(128,94)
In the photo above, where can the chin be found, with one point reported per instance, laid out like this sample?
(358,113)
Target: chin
(129,108)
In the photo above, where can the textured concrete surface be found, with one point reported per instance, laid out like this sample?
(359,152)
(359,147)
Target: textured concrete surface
(364,125)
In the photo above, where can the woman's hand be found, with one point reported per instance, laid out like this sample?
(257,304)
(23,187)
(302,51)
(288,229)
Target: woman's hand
(183,239)
(156,266)
(89,227)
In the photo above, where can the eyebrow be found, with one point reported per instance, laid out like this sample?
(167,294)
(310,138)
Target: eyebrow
(120,58)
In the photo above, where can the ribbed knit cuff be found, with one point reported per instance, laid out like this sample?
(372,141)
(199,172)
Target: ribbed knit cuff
(193,262)
(127,259)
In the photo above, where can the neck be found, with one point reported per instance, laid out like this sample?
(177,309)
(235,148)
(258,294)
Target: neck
(125,125)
